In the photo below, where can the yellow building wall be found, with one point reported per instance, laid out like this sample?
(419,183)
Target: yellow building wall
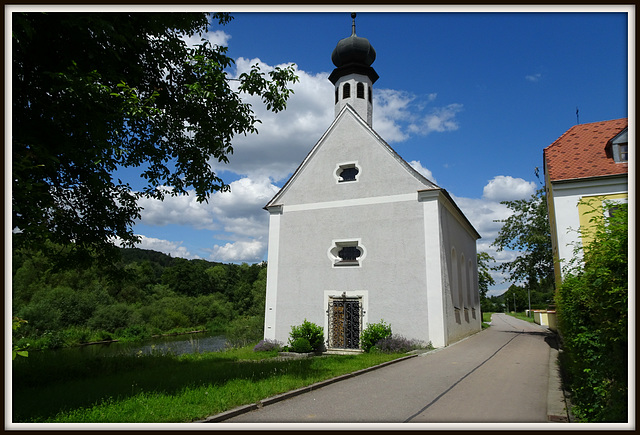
(590,209)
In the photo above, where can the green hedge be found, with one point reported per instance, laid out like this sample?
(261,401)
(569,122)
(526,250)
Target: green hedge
(593,322)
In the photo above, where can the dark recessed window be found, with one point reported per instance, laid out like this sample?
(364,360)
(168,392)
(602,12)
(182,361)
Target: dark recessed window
(336,95)
(348,173)
(349,253)
(346,91)
(370,92)
(360,90)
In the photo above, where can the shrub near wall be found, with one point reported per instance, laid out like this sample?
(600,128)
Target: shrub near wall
(593,321)
(306,337)
(373,333)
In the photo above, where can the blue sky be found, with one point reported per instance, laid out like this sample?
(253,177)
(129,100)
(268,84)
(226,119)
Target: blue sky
(469,99)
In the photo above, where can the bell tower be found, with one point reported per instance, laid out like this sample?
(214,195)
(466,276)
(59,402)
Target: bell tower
(353,76)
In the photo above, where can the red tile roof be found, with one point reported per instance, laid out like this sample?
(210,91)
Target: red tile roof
(580,152)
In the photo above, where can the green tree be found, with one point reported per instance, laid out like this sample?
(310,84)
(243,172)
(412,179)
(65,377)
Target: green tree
(15,349)
(527,230)
(96,92)
(484,276)
(592,305)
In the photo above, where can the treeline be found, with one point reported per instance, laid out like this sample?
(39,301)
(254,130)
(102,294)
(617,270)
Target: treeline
(142,294)
(517,298)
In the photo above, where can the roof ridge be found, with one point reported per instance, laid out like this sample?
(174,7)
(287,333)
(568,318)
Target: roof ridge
(577,126)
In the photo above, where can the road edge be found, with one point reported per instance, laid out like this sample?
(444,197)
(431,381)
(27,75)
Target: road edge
(280,397)
(557,405)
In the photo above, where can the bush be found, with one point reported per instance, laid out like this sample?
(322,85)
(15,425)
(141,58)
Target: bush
(301,345)
(593,321)
(373,333)
(267,345)
(244,330)
(399,344)
(111,317)
(309,331)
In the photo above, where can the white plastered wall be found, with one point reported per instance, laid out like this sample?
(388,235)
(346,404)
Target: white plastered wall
(566,197)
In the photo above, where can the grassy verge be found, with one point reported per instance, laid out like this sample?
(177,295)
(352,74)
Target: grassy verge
(521,316)
(486,317)
(154,388)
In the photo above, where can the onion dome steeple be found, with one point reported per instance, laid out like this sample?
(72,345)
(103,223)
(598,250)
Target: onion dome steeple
(351,54)
(353,75)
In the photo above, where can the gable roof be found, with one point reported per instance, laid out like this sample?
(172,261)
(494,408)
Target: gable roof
(348,109)
(581,152)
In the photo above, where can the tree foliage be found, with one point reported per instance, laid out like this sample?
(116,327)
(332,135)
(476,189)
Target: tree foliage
(592,305)
(145,293)
(484,275)
(527,230)
(97,92)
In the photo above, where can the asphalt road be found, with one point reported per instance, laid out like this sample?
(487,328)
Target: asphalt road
(499,375)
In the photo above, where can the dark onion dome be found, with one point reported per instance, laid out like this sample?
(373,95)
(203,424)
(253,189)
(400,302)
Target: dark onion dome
(353,54)
(353,50)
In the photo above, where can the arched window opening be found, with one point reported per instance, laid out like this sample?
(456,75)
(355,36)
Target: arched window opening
(461,283)
(360,90)
(336,96)
(346,91)
(370,92)
(454,280)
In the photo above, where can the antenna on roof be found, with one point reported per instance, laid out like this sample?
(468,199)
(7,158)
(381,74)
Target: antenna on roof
(577,116)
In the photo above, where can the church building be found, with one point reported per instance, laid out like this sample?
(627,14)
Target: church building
(357,236)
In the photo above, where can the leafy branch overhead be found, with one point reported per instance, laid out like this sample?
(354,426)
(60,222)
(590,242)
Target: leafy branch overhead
(527,230)
(94,93)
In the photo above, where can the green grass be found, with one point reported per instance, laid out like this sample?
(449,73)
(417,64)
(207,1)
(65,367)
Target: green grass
(155,388)
(521,316)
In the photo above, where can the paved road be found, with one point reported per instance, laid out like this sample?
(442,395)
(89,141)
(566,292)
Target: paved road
(499,375)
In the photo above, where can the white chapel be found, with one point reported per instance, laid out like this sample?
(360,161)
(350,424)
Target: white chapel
(357,236)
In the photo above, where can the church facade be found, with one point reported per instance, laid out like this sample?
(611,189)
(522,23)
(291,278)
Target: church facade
(357,235)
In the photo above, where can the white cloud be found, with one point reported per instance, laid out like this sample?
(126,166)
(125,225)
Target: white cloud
(486,214)
(507,188)
(235,215)
(399,114)
(534,77)
(283,138)
(180,210)
(168,247)
(415,164)
(240,211)
(441,119)
(250,251)
(391,111)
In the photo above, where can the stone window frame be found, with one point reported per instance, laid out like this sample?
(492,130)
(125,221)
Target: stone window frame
(338,245)
(347,165)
